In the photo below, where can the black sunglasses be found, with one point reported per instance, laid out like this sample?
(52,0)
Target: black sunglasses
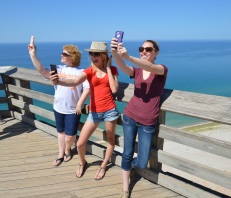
(97,54)
(65,54)
(148,49)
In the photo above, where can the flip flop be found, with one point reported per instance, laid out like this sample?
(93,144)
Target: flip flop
(66,156)
(101,168)
(84,169)
(59,161)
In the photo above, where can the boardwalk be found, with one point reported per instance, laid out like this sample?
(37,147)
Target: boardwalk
(26,170)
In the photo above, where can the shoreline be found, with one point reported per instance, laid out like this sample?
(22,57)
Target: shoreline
(218,131)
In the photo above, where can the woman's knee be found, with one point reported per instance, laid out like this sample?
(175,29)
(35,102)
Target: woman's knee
(80,145)
(142,166)
(140,163)
(111,140)
(69,138)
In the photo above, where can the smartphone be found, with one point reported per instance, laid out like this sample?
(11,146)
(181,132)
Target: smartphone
(119,35)
(53,68)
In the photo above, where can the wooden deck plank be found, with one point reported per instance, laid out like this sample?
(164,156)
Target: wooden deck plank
(26,170)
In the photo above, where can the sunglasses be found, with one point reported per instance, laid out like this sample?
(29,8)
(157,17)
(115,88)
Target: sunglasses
(65,54)
(97,54)
(148,49)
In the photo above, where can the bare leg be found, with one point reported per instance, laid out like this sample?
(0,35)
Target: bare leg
(125,178)
(86,132)
(61,144)
(110,130)
(69,140)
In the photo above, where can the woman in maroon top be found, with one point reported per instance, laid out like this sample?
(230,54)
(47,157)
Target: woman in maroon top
(142,111)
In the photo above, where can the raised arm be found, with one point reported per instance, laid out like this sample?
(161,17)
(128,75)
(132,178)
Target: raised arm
(121,52)
(118,59)
(145,65)
(36,62)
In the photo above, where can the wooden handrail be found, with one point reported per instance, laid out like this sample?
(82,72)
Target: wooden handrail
(19,96)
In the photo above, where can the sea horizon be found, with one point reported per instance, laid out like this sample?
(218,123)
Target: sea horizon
(194,65)
(127,40)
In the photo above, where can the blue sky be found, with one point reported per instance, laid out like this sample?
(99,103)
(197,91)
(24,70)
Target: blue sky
(86,20)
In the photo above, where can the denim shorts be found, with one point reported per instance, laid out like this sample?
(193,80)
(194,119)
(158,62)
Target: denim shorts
(67,123)
(106,116)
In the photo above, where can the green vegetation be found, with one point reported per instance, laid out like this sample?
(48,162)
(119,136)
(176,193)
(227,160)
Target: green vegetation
(201,127)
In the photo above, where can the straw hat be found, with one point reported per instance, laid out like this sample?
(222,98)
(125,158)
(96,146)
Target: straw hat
(97,46)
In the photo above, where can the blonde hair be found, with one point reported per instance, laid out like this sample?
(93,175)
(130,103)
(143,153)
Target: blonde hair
(75,54)
(105,58)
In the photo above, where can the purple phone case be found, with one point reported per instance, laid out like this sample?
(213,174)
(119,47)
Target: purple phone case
(119,35)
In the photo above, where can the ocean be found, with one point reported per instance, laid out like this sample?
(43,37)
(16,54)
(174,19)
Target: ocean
(194,66)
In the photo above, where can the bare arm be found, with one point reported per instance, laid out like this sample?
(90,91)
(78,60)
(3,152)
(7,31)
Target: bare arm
(146,65)
(119,61)
(113,80)
(82,100)
(67,82)
(36,62)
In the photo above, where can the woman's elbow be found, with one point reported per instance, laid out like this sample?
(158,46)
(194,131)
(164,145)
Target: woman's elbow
(114,90)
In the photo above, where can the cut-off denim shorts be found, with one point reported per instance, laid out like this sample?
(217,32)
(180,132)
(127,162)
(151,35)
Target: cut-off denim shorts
(67,123)
(106,116)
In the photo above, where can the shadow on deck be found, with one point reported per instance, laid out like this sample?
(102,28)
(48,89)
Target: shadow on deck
(26,169)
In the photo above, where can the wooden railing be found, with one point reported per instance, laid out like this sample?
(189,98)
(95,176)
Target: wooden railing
(19,98)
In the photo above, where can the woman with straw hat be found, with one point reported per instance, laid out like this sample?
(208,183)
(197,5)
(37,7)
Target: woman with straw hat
(103,80)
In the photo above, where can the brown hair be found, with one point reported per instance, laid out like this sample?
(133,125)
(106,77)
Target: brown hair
(155,45)
(75,54)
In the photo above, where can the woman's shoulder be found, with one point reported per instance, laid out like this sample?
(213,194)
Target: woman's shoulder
(88,69)
(61,66)
(113,68)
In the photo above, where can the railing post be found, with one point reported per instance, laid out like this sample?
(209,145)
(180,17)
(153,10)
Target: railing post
(20,83)
(24,84)
(157,144)
(7,80)
(1,120)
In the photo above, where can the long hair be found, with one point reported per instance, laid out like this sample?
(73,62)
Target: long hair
(105,58)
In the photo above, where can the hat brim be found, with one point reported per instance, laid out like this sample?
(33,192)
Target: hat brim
(96,50)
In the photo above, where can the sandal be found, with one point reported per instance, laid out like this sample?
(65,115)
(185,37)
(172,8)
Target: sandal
(66,156)
(84,169)
(58,161)
(99,178)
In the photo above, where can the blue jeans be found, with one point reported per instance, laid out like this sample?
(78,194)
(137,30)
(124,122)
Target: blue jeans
(145,135)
